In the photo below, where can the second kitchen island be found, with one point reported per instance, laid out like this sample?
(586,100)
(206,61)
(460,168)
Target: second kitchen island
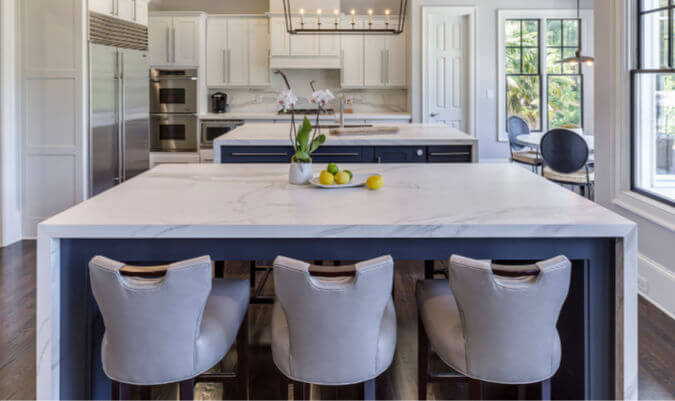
(414,143)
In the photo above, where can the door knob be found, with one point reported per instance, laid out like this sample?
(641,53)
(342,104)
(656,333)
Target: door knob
(434,115)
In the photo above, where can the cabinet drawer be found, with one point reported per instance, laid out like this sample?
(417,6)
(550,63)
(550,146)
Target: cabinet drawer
(343,154)
(400,154)
(449,154)
(256,154)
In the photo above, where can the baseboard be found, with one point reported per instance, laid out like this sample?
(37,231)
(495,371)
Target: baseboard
(657,285)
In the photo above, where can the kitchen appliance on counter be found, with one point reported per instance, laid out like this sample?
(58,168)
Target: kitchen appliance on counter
(119,113)
(173,104)
(219,103)
(212,129)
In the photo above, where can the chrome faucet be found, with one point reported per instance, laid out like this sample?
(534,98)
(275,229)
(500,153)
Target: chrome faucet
(341,98)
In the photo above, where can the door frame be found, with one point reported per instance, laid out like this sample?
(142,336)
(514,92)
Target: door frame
(471,13)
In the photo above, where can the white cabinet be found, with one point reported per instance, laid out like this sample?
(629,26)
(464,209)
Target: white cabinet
(303,51)
(175,40)
(128,10)
(305,45)
(280,41)
(237,51)
(384,59)
(352,56)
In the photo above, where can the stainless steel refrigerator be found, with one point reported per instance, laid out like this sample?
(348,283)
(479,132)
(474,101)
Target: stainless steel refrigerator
(119,143)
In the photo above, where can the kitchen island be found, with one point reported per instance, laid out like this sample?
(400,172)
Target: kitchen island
(418,143)
(423,212)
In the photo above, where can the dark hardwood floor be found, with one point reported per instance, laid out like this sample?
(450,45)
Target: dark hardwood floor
(17,343)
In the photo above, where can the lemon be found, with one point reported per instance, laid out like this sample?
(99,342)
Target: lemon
(326,178)
(333,168)
(350,174)
(342,178)
(375,182)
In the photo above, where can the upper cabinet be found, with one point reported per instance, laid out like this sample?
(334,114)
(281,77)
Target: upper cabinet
(352,55)
(128,10)
(175,40)
(238,49)
(305,51)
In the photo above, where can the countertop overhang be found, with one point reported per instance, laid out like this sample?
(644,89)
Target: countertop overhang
(417,201)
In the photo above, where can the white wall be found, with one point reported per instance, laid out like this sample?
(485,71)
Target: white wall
(486,74)
(10,210)
(614,21)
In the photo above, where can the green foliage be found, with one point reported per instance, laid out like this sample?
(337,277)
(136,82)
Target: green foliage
(306,143)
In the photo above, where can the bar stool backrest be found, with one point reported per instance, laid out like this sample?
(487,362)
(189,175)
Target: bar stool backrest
(516,126)
(509,323)
(334,324)
(564,151)
(151,325)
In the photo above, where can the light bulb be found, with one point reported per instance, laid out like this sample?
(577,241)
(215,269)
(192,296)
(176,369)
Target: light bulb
(319,11)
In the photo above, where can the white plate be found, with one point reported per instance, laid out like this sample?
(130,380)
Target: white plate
(355,182)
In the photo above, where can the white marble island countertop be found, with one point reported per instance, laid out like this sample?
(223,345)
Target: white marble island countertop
(272,116)
(256,201)
(409,135)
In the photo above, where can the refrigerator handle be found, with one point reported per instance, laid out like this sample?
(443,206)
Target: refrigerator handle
(118,69)
(122,121)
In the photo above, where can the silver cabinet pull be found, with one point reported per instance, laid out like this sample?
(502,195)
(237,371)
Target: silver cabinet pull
(173,30)
(225,66)
(383,72)
(337,154)
(450,154)
(432,115)
(420,152)
(258,154)
(229,65)
(387,66)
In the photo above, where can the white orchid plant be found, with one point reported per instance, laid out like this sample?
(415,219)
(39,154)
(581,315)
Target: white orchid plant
(306,139)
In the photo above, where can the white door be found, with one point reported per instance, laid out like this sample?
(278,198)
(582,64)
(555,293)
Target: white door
(126,9)
(279,37)
(447,71)
(237,48)
(304,44)
(258,52)
(397,60)
(185,38)
(352,53)
(159,38)
(102,6)
(216,51)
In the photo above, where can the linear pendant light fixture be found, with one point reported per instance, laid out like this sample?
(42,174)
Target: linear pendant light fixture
(578,57)
(387,21)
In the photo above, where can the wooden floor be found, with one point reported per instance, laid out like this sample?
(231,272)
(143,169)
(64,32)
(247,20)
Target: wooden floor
(17,343)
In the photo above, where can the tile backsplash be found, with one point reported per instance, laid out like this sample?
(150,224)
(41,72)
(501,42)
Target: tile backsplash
(265,99)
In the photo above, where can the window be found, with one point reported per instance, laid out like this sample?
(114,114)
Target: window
(653,102)
(533,84)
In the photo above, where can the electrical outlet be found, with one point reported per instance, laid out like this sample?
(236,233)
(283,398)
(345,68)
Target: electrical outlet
(643,284)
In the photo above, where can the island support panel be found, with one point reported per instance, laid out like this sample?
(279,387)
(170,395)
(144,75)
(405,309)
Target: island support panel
(586,324)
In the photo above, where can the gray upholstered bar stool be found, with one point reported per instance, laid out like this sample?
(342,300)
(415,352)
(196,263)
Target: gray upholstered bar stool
(333,325)
(169,324)
(493,323)
(516,126)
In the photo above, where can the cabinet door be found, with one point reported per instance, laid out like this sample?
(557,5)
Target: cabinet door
(400,154)
(185,38)
(375,53)
(279,37)
(258,52)
(159,32)
(305,45)
(237,51)
(216,51)
(102,6)
(329,45)
(352,48)
(141,16)
(126,9)
(397,62)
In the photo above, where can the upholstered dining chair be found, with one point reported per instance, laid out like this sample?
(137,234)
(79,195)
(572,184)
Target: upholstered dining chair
(566,160)
(169,324)
(333,326)
(516,126)
(493,323)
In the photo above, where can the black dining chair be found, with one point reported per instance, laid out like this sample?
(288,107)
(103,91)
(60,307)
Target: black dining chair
(565,154)
(516,126)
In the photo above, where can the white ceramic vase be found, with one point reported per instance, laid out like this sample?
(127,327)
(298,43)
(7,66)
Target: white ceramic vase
(300,173)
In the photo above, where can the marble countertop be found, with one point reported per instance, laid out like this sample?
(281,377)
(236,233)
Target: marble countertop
(409,135)
(417,201)
(271,116)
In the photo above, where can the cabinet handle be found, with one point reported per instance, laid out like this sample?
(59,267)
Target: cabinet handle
(420,152)
(168,46)
(383,72)
(338,154)
(259,154)
(173,31)
(388,65)
(450,154)
(225,66)
(229,65)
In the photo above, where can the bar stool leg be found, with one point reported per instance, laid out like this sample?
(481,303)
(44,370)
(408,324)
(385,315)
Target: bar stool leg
(115,390)
(475,389)
(422,360)
(545,390)
(242,359)
(428,269)
(126,391)
(301,391)
(369,390)
(186,389)
(145,392)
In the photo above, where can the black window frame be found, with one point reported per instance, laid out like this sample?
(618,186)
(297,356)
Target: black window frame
(539,71)
(640,70)
(578,73)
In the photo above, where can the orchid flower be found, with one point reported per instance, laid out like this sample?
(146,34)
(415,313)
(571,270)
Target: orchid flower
(287,100)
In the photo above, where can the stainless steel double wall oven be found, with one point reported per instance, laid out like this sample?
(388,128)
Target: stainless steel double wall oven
(173,104)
